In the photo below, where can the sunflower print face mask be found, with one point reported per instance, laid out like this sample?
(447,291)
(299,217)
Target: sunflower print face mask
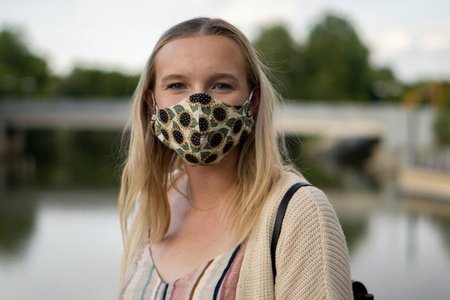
(201,129)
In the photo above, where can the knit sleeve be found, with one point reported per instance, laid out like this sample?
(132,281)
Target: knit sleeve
(312,257)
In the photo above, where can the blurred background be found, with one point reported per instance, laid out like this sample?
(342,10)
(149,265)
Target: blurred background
(367,118)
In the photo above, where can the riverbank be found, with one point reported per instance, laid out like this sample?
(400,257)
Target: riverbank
(422,183)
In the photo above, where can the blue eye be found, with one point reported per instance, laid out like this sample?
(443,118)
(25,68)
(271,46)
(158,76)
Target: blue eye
(176,86)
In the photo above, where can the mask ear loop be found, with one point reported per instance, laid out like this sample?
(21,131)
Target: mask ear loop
(154,107)
(251,95)
(153,100)
(248,101)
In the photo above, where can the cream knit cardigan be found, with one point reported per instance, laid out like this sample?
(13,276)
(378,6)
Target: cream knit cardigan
(312,259)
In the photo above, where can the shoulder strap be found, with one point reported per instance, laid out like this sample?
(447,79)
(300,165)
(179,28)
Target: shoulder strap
(358,288)
(279,221)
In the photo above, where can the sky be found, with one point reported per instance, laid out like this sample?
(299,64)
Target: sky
(410,36)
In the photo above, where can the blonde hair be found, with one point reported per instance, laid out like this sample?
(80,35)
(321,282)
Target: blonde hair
(149,163)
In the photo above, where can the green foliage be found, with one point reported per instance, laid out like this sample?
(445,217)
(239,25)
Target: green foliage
(442,126)
(66,158)
(83,82)
(21,72)
(280,53)
(16,223)
(336,62)
(384,85)
(333,63)
(442,121)
(305,163)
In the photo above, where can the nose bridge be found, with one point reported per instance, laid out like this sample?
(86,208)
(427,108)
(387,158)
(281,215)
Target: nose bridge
(199,86)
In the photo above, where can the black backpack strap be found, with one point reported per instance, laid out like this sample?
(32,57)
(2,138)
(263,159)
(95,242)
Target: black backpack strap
(359,290)
(279,221)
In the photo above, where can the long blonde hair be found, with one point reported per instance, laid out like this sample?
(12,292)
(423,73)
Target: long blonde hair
(149,164)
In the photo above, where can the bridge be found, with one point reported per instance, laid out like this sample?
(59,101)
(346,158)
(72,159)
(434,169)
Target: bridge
(400,130)
(397,127)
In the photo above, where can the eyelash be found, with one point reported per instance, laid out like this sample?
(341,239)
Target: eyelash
(219,85)
(224,85)
(176,86)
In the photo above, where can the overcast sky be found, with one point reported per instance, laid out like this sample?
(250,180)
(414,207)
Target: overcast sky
(411,36)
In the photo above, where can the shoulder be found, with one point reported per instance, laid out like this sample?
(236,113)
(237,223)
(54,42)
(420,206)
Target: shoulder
(311,218)
(311,256)
(312,248)
(311,203)
(306,201)
(309,212)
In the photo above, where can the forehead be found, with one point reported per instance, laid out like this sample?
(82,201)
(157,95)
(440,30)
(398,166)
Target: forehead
(200,53)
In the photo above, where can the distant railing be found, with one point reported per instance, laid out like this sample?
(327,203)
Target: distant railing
(436,160)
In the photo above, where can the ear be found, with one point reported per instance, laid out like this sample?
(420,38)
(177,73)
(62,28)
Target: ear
(254,102)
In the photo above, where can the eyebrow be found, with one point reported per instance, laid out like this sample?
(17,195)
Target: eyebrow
(173,77)
(224,76)
(215,76)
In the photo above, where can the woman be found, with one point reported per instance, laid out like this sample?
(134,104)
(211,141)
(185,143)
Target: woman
(205,175)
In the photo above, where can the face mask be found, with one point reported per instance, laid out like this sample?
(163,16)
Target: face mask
(201,129)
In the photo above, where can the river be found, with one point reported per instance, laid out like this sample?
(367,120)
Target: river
(66,244)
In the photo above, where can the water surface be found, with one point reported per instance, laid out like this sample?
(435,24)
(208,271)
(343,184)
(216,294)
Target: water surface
(66,244)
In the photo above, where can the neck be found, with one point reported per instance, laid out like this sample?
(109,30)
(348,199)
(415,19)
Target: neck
(208,186)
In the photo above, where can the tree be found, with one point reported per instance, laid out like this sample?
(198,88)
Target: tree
(280,53)
(333,64)
(336,62)
(384,86)
(84,82)
(21,72)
